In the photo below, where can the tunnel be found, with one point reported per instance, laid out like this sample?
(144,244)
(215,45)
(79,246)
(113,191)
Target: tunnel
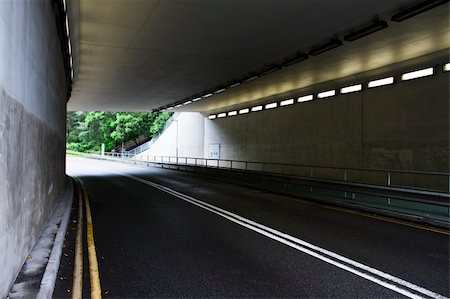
(307,154)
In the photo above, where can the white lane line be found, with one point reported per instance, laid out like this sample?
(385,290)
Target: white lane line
(291,241)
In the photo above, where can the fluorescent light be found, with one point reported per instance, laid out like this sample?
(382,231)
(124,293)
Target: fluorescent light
(69,46)
(196,99)
(326,94)
(220,90)
(212,116)
(366,30)
(287,102)
(257,108)
(296,59)
(71,74)
(271,105)
(251,78)
(243,111)
(270,70)
(232,113)
(326,47)
(67,26)
(418,74)
(220,115)
(207,95)
(71,62)
(305,98)
(65,5)
(381,82)
(170,108)
(187,103)
(179,105)
(447,67)
(352,88)
(234,85)
(416,9)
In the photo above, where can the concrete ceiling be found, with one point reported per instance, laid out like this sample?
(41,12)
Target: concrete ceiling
(139,55)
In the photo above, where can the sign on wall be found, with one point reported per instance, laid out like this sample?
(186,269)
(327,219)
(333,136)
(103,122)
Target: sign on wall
(214,151)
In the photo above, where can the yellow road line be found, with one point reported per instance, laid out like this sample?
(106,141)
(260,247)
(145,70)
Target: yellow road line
(77,288)
(378,217)
(96,291)
(392,220)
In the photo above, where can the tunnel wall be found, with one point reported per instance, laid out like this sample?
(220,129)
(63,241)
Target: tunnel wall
(402,126)
(188,128)
(32,129)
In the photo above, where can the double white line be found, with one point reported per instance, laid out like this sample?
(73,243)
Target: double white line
(381,278)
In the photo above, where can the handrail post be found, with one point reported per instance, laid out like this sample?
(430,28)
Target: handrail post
(389,178)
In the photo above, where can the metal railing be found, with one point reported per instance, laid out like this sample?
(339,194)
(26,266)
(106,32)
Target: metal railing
(418,180)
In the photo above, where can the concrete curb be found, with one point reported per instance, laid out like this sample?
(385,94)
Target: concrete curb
(51,270)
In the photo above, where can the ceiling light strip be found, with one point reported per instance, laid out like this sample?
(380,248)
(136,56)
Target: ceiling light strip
(418,74)
(326,94)
(381,82)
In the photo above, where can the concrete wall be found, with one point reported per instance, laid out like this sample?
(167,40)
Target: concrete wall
(32,128)
(185,132)
(402,126)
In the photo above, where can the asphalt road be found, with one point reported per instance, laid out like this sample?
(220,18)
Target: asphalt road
(154,242)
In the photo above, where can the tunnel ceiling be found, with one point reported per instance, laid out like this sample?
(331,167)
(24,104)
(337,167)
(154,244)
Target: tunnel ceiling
(144,55)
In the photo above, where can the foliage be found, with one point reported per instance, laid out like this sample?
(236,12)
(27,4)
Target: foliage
(86,131)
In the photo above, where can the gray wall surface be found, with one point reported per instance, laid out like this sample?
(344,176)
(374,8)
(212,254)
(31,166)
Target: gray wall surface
(32,128)
(403,126)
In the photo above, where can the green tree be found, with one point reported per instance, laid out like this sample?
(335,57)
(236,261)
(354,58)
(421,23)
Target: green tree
(86,131)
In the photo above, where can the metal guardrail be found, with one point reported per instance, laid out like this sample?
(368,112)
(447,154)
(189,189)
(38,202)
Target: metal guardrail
(416,180)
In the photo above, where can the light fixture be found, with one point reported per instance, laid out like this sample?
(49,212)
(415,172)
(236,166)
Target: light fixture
(326,94)
(179,105)
(271,105)
(67,26)
(207,95)
(244,111)
(170,108)
(352,88)
(257,108)
(305,98)
(69,45)
(418,74)
(212,116)
(221,115)
(381,82)
(234,85)
(296,59)
(196,99)
(270,70)
(366,30)
(187,103)
(220,90)
(287,102)
(416,9)
(232,113)
(446,67)
(334,43)
(251,78)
